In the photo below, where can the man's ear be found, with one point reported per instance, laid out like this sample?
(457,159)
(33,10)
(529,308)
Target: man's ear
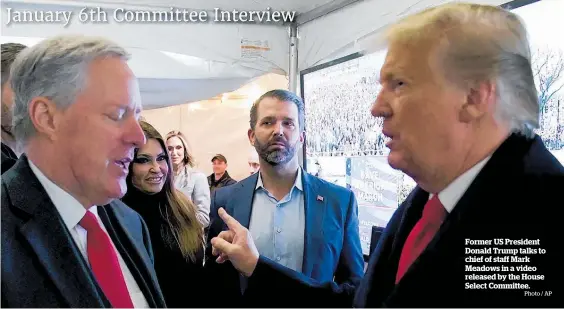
(45,116)
(479,101)
(251,135)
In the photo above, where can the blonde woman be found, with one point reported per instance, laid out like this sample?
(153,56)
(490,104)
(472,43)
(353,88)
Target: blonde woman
(193,183)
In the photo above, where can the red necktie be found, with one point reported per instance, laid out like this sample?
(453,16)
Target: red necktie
(104,263)
(421,235)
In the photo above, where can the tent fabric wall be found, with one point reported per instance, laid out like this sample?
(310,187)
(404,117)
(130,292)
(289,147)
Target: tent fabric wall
(183,62)
(206,40)
(356,28)
(212,127)
(218,125)
(223,64)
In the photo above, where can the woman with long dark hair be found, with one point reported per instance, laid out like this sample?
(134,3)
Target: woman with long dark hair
(176,234)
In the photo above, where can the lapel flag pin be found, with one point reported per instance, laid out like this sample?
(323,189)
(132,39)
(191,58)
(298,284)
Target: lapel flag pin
(320,198)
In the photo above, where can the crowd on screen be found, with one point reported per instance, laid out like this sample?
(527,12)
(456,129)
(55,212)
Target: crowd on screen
(338,120)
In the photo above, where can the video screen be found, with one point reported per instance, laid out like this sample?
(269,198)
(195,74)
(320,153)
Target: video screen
(345,144)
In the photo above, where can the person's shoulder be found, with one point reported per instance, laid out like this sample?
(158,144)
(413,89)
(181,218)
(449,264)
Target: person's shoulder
(226,191)
(330,191)
(199,175)
(541,169)
(236,186)
(5,204)
(7,162)
(120,209)
(540,161)
(196,172)
(14,174)
(326,185)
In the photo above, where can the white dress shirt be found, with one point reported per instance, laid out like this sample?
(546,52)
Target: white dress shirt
(450,195)
(72,212)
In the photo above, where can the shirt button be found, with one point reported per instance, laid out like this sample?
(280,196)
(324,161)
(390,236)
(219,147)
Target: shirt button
(278,230)
(278,258)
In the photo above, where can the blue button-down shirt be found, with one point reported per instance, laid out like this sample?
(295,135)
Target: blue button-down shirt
(278,226)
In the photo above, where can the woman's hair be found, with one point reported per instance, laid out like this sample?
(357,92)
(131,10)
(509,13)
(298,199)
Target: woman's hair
(186,230)
(188,158)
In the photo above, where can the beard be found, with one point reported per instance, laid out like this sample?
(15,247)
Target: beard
(275,157)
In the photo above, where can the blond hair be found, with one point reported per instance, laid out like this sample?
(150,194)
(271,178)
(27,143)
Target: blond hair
(477,43)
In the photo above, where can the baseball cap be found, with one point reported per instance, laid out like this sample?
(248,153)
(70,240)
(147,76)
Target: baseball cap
(219,157)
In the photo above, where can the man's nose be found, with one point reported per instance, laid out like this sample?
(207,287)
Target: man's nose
(278,129)
(135,134)
(380,107)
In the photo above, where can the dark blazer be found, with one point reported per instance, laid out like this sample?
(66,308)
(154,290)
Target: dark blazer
(332,250)
(9,158)
(41,264)
(517,195)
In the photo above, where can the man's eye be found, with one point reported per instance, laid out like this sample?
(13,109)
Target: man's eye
(398,83)
(117,116)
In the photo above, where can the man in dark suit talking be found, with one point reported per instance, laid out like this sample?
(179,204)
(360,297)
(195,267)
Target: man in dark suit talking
(66,240)
(481,228)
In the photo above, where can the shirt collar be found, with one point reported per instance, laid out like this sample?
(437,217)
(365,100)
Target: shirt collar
(68,207)
(450,196)
(297,183)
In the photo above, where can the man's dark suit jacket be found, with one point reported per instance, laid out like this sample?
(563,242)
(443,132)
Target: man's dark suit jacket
(9,158)
(41,264)
(332,249)
(517,195)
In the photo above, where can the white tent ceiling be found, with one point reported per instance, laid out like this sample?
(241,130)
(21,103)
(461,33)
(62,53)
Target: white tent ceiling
(186,62)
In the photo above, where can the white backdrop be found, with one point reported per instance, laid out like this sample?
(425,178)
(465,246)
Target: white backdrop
(186,62)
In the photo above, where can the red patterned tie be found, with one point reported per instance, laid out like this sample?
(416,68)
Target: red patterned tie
(104,263)
(433,215)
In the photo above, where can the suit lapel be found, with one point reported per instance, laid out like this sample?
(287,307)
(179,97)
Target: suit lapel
(131,253)
(52,243)
(241,206)
(410,217)
(242,202)
(413,214)
(472,203)
(383,264)
(469,208)
(314,204)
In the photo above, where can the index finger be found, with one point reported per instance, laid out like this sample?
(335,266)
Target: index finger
(231,223)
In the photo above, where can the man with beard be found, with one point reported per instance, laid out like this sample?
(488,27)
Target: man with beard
(9,53)
(297,220)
